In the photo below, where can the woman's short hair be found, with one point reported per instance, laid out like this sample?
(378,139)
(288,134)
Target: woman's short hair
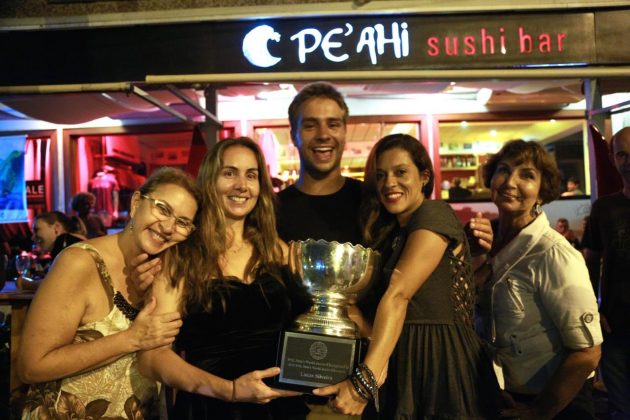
(70,224)
(314,90)
(83,199)
(520,151)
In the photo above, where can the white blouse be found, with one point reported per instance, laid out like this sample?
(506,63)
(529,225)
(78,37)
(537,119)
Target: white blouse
(542,302)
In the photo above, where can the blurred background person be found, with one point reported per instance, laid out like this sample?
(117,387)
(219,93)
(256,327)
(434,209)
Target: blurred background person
(562,226)
(607,250)
(536,302)
(457,192)
(54,231)
(573,187)
(83,204)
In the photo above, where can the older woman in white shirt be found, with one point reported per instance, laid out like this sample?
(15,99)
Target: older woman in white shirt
(536,301)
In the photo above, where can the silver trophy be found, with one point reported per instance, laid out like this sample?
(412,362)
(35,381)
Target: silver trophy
(323,345)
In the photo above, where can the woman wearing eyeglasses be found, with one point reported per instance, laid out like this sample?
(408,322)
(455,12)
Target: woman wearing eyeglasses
(229,284)
(85,323)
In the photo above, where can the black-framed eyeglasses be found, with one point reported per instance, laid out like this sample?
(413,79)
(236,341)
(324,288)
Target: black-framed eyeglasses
(162,211)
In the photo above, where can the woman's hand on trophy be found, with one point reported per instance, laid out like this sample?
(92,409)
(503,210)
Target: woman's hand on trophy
(344,398)
(251,388)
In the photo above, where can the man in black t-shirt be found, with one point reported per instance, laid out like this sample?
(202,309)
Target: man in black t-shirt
(322,204)
(333,217)
(606,245)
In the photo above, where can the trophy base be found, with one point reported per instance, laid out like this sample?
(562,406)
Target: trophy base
(308,360)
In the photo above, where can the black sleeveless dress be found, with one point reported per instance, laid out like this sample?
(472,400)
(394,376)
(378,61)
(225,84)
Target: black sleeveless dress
(439,369)
(236,338)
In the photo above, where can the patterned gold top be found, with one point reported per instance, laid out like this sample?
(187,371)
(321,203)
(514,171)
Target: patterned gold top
(115,391)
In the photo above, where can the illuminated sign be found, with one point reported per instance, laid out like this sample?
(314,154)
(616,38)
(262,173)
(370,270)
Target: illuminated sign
(351,43)
(35,191)
(372,38)
(402,41)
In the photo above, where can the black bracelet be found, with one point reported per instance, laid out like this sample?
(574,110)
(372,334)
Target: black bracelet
(364,376)
(357,387)
(370,374)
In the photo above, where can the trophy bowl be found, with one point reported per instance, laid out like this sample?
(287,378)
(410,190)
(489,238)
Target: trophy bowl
(335,275)
(323,346)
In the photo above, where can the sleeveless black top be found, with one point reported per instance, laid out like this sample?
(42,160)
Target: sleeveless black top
(237,337)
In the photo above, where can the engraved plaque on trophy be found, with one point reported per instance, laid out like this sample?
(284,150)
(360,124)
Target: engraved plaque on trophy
(323,346)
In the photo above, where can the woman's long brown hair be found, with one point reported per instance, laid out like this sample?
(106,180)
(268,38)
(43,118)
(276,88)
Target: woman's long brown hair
(196,261)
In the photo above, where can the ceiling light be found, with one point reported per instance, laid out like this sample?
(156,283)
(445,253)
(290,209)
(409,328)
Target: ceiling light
(463,124)
(493,133)
(483,95)
(286,91)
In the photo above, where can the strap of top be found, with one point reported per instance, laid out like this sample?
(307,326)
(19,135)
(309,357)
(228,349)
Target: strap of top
(100,264)
(117,298)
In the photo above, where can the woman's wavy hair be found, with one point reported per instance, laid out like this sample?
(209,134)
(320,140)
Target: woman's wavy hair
(376,221)
(519,151)
(196,261)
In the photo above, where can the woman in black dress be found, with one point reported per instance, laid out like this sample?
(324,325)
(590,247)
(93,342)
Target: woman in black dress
(231,288)
(423,325)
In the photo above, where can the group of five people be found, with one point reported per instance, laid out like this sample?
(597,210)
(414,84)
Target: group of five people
(220,292)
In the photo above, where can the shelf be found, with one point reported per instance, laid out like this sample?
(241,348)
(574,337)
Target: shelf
(454,153)
(460,168)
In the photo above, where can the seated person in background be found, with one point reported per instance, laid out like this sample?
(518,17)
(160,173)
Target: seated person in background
(82,204)
(573,187)
(562,226)
(54,231)
(457,192)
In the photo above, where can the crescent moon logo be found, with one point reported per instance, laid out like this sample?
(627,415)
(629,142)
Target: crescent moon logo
(255,46)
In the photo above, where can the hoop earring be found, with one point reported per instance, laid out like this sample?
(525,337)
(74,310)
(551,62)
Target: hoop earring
(536,210)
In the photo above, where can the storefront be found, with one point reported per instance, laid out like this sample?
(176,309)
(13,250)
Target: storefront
(130,95)
(531,74)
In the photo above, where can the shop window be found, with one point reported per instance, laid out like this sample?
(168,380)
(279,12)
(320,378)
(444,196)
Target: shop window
(104,163)
(283,159)
(466,146)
